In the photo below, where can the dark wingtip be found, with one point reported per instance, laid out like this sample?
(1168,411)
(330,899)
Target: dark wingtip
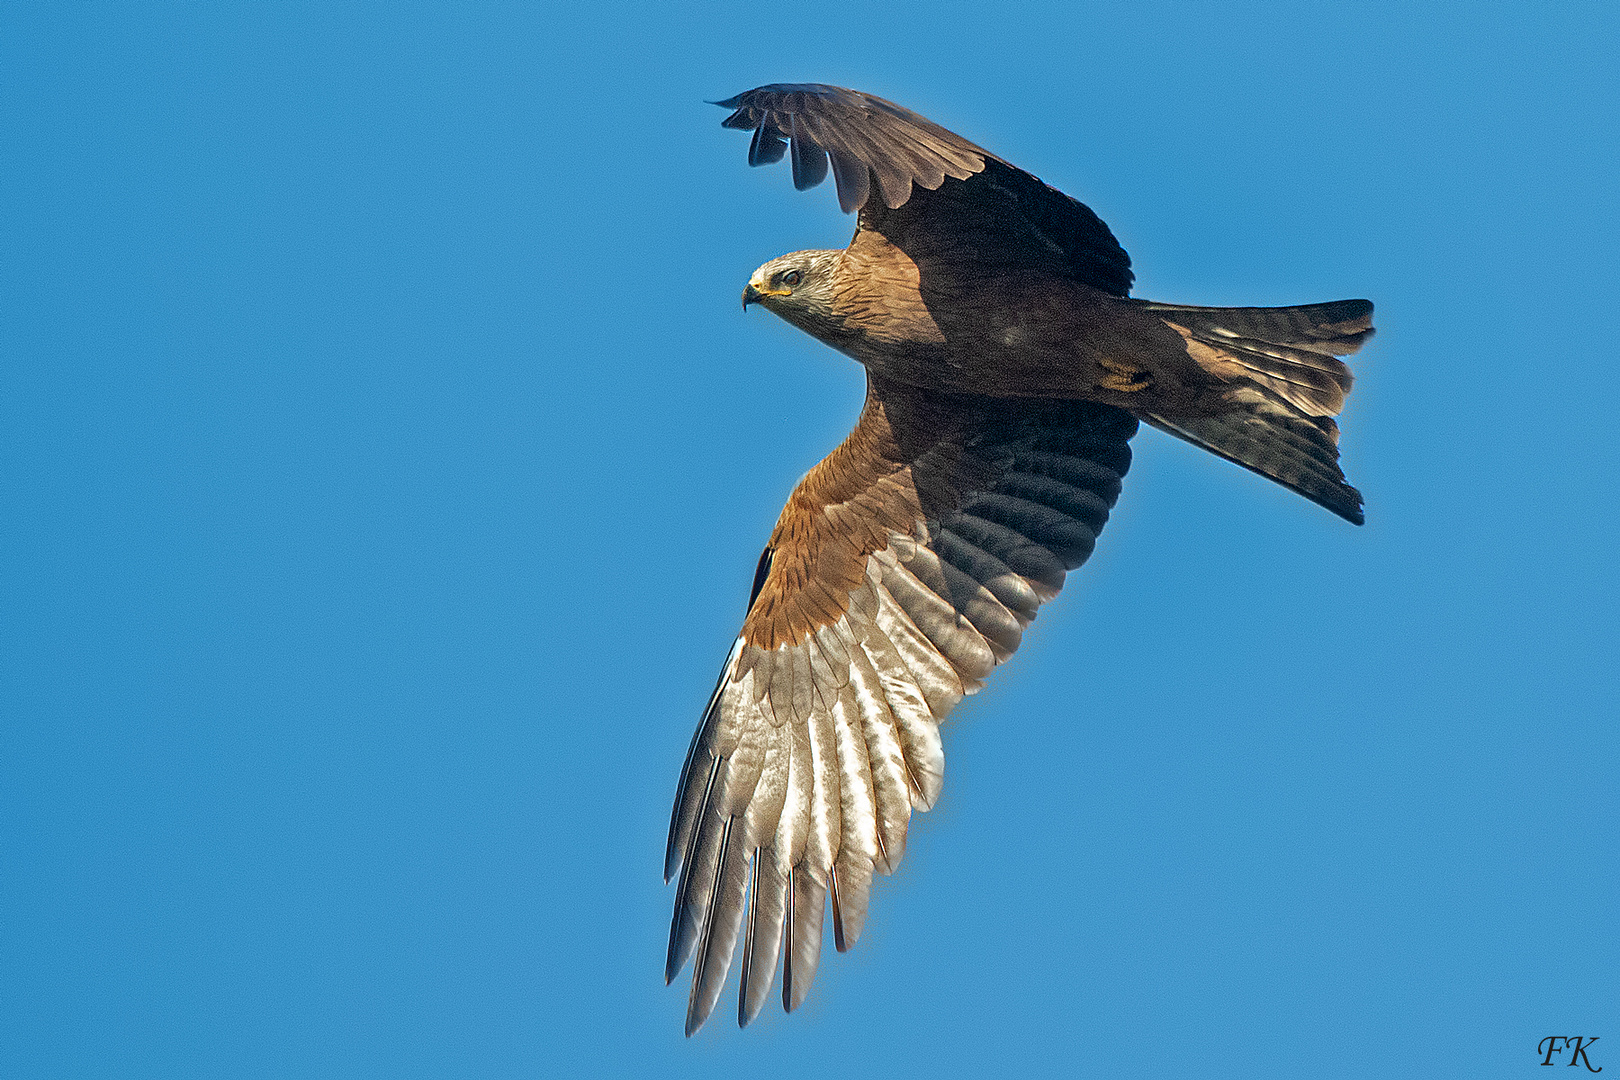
(838,913)
(673,858)
(1343,504)
(675,958)
(1345,501)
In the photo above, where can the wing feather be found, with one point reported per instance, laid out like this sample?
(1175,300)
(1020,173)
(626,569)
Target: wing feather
(915,724)
(779,698)
(935,677)
(935,189)
(949,634)
(851,887)
(1009,588)
(767,909)
(1053,530)
(826,806)
(807,900)
(720,928)
(1042,570)
(890,783)
(695,889)
(763,814)
(804,689)
(830,642)
(1001,630)
(699,756)
(857,803)
(793,829)
(900,147)
(905,567)
(743,767)
(809,157)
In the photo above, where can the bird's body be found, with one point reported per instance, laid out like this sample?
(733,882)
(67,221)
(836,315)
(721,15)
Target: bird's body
(1011,332)
(1007,369)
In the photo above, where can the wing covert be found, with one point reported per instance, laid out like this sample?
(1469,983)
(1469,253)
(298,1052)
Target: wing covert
(904,568)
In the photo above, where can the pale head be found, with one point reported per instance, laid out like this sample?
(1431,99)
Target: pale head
(796,286)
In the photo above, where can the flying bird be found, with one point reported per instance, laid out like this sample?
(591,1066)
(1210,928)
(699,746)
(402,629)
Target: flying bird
(1006,371)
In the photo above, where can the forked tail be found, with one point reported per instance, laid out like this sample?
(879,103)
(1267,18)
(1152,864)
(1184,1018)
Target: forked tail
(1287,385)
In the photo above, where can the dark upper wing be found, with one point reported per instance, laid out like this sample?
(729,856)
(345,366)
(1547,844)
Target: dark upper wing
(859,132)
(998,213)
(903,569)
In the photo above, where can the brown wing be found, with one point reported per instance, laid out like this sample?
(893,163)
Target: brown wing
(859,132)
(996,214)
(903,569)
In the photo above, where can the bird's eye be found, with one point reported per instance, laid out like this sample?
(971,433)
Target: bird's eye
(792,278)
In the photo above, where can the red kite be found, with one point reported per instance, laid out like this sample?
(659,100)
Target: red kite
(1006,371)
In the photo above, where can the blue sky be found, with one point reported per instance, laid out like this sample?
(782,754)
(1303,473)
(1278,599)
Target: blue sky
(386,459)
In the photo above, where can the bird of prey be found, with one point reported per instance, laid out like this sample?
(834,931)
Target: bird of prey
(1006,371)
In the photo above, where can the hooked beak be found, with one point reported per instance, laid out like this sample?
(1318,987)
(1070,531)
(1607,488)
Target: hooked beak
(753,294)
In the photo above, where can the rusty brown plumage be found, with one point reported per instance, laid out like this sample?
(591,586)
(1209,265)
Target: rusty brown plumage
(901,466)
(1007,368)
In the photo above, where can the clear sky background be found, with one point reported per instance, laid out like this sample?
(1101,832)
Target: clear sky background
(386,457)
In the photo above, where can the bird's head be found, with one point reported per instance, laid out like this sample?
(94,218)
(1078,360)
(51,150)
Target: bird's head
(797,286)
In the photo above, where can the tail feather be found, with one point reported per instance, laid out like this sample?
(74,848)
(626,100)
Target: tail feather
(1288,386)
(1289,350)
(1299,452)
(1336,328)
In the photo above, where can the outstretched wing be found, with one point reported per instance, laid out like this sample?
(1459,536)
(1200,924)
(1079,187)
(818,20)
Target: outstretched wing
(903,569)
(997,213)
